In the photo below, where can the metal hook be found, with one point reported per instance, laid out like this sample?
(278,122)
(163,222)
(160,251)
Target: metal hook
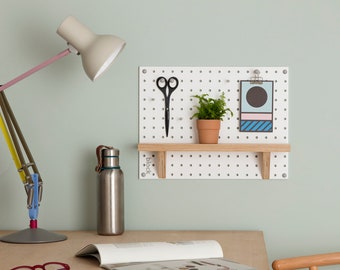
(256,79)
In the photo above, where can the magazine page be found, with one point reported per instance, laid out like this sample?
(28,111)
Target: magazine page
(199,264)
(117,253)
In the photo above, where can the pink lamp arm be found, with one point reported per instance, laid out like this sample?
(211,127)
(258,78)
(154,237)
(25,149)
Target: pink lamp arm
(35,69)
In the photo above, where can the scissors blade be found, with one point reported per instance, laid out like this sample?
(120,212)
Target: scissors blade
(167,120)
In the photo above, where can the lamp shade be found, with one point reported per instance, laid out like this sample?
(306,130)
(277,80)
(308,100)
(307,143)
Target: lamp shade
(97,51)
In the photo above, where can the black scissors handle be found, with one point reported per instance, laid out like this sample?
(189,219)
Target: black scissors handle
(163,84)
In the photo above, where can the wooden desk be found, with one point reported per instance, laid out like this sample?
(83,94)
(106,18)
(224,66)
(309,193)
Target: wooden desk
(245,247)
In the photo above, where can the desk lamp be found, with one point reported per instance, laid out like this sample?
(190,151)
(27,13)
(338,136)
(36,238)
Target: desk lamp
(97,53)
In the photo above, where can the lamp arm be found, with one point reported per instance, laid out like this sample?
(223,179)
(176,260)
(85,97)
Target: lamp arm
(18,140)
(35,69)
(15,131)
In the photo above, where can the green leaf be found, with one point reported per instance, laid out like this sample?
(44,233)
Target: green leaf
(210,108)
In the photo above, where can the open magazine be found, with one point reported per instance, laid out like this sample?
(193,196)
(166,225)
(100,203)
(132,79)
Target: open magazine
(185,255)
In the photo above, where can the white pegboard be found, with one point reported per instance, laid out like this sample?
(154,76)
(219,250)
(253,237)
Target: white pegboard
(182,129)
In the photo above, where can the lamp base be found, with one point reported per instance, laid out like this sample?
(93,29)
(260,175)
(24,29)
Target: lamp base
(33,236)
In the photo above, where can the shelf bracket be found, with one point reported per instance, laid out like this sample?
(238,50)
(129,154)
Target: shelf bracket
(161,164)
(265,165)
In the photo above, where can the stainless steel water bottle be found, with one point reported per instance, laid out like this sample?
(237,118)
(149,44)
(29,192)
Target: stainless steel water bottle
(110,192)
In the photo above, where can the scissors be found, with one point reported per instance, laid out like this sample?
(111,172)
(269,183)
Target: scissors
(163,84)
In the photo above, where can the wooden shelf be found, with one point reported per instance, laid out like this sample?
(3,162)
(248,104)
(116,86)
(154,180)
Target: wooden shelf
(263,149)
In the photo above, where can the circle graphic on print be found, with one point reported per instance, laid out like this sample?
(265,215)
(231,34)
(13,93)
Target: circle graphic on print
(256,96)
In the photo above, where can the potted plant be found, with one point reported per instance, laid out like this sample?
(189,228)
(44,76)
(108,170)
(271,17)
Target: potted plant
(210,113)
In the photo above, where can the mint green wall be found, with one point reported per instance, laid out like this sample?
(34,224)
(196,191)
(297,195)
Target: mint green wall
(64,116)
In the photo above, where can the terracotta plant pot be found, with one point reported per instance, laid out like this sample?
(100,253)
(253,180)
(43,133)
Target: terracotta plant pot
(208,130)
